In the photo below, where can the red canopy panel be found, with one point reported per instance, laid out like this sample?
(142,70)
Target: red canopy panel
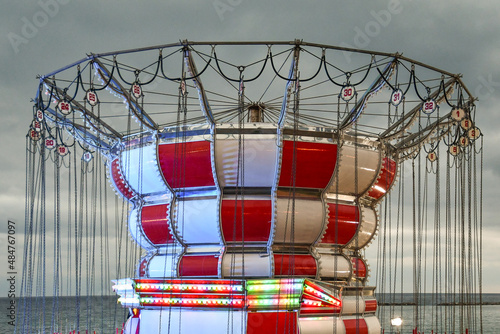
(186,164)
(272,322)
(253,226)
(119,181)
(355,326)
(294,265)
(198,265)
(343,222)
(155,224)
(385,179)
(314,164)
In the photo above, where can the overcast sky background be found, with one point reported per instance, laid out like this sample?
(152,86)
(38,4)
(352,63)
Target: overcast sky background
(459,36)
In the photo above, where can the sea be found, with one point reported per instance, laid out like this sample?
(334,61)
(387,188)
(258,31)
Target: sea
(103,315)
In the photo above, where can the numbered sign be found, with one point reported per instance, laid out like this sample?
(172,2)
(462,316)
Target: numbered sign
(62,150)
(64,107)
(429,106)
(463,141)
(347,93)
(136,91)
(397,97)
(34,135)
(87,156)
(432,156)
(39,115)
(36,125)
(454,150)
(466,124)
(92,98)
(50,143)
(458,114)
(474,133)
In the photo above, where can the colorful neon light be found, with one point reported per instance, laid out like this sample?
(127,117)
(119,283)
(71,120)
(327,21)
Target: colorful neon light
(162,287)
(322,295)
(192,302)
(293,302)
(252,294)
(275,287)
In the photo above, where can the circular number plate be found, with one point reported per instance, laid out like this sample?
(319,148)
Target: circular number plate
(65,107)
(432,156)
(454,150)
(50,143)
(92,98)
(34,135)
(87,156)
(37,125)
(136,91)
(429,106)
(62,150)
(458,114)
(397,97)
(466,124)
(39,115)
(463,141)
(474,133)
(347,93)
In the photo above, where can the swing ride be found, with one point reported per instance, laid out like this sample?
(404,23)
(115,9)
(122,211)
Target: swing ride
(252,177)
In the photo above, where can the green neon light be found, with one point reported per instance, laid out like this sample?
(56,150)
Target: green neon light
(274,287)
(188,287)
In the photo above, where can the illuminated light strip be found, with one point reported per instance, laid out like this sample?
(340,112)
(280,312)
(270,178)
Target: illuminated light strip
(190,302)
(272,293)
(275,287)
(307,302)
(216,282)
(182,296)
(273,302)
(322,295)
(276,281)
(150,287)
(318,311)
(315,290)
(314,307)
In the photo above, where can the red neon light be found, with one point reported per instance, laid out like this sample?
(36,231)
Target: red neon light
(183,301)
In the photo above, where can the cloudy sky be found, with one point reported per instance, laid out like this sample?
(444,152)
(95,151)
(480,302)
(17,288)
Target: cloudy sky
(459,36)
